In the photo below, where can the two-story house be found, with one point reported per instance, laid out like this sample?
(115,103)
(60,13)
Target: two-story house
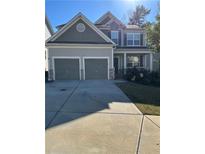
(130,40)
(81,50)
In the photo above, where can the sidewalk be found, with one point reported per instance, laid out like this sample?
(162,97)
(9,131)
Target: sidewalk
(149,141)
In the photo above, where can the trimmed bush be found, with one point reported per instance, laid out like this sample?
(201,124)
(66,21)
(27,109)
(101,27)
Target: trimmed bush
(143,76)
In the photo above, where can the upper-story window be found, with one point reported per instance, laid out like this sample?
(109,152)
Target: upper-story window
(114,36)
(133,39)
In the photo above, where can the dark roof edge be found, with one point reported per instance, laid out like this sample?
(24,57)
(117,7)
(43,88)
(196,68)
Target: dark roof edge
(63,42)
(126,47)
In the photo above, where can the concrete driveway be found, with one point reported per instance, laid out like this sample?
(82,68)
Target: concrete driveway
(91,117)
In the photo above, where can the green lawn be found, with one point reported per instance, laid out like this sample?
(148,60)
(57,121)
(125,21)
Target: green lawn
(146,98)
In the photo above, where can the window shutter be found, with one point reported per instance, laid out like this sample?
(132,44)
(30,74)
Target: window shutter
(141,60)
(125,39)
(141,39)
(109,34)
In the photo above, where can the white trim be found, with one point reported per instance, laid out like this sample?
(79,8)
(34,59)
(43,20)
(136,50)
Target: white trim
(65,57)
(125,60)
(112,58)
(145,52)
(108,64)
(54,45)
(151,61)
(73,21)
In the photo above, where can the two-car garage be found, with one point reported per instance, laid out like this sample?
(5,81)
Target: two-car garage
(81,68)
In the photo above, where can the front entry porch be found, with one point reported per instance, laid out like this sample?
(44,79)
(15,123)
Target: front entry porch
(124,61)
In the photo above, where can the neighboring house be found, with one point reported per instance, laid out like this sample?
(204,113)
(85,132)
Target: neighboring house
(48,33)
(81,50)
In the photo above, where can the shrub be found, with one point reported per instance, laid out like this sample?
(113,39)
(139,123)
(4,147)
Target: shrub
(155,78)
(143,76)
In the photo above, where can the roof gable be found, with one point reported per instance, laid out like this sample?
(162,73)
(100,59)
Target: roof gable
(107,17)
(69,34)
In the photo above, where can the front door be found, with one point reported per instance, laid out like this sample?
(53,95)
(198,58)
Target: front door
(116,65)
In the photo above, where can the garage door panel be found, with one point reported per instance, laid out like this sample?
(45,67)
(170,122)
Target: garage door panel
(96,69)
(67,69)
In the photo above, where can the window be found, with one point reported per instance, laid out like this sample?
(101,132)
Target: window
(133,39)
(129,39)
(114,36)
(135,61)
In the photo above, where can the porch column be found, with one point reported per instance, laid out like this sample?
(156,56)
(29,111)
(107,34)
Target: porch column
(145,61)
(151,61)
(125,61)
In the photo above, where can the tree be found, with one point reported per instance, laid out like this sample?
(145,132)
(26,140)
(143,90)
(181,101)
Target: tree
(153,34)
(137,17)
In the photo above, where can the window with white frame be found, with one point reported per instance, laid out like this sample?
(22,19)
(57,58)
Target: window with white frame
(114,36)
(133,39)
(135,61)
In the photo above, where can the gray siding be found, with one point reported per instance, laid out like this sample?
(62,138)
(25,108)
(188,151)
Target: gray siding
(106,32)
(105,20)
(147,61)
(73,36)
(156,62)
(114,26)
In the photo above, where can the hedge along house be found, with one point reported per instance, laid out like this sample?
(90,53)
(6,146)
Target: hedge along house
(80,51)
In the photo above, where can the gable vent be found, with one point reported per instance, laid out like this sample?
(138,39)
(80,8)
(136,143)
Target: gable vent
(80,27)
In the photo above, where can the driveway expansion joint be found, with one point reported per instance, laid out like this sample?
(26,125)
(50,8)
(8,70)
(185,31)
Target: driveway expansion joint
(140,134)
(153,122)
(59,110)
